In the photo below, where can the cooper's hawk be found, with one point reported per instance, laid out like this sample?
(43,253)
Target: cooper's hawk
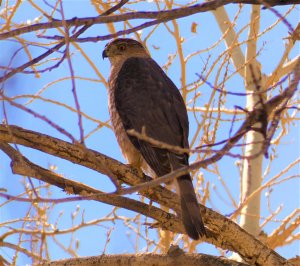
(143,98)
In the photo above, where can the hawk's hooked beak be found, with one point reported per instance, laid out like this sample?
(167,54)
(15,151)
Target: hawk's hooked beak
(104,54)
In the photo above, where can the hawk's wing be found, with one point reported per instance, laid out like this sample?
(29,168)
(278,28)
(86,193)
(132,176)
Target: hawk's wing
(146,97)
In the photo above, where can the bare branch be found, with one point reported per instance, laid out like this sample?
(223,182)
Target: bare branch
(254,117)
(22,166)
(56,47)
(148,259)
(160,16)
(222,232)
(216,222)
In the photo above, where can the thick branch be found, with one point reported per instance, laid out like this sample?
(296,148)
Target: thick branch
(22,166)
(224,233)
(148,259)
(160,16)
(85,157)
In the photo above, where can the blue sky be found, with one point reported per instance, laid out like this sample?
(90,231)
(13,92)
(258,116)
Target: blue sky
(93,101)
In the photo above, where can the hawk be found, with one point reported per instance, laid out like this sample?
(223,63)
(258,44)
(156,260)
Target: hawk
(143,98)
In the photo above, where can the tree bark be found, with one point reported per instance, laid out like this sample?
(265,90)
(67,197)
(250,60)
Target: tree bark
(147,260)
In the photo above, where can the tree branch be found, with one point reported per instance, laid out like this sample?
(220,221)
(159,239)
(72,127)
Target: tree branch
(258,115)
(223,232)
(56,47)
(161,16)
(22,166)
(148,259)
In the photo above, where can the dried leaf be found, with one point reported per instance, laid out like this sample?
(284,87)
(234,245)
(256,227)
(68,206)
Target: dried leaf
(194,27)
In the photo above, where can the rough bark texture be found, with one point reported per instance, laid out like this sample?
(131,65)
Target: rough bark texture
(148,260)
(222,232)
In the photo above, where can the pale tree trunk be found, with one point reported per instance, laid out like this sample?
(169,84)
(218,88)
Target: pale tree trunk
(252,168)
(230,38)
(248,67)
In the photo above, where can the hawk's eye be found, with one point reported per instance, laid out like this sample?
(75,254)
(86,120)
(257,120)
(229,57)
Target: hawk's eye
(122,47)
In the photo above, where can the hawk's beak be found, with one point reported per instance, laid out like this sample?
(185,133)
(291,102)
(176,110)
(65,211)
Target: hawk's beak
(104,54)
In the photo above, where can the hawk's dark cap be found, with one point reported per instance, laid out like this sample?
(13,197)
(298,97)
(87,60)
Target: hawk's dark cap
(124,40)
(120,41)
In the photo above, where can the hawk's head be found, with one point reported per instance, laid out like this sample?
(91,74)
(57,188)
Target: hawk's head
(124,48)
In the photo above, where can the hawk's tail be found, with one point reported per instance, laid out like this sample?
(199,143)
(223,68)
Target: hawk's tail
(191,216)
